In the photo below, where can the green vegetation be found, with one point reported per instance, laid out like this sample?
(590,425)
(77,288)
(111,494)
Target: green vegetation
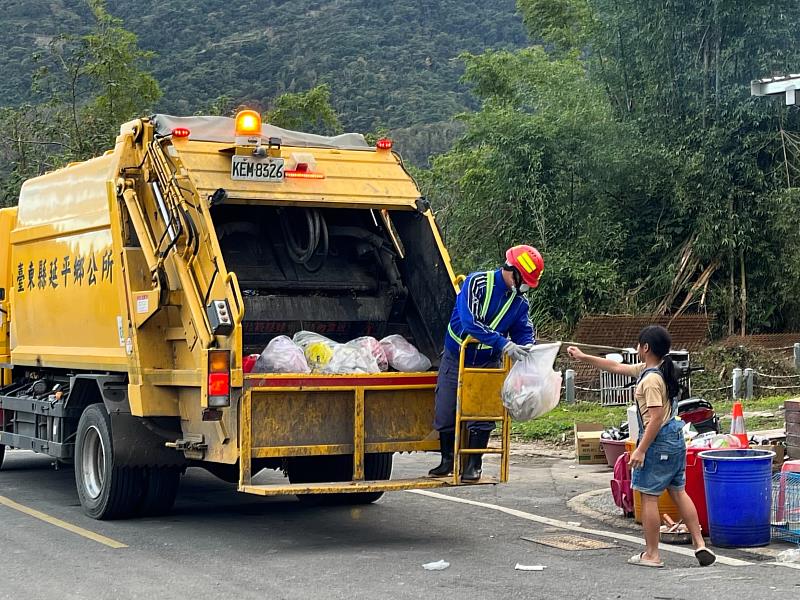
(557,425)
(719,363)
(629,150)
(91,84)
(306,111)
(388,64)
(619,137)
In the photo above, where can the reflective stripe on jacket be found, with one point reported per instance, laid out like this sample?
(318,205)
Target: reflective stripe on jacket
(490,312)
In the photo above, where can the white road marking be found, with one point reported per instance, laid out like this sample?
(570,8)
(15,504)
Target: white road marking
(725,560)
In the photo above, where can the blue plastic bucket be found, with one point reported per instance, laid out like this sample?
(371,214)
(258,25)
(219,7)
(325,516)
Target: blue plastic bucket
(739,495)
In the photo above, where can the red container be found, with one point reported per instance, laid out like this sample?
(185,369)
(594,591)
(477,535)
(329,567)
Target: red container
(248,362)
(695,485)
(613,450)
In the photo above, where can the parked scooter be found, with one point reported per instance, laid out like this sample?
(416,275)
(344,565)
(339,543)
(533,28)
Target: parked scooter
(697,411)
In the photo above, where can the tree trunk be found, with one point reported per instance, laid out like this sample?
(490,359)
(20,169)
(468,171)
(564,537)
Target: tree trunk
(732,297)
(717,43)
(704,107)
(743,291)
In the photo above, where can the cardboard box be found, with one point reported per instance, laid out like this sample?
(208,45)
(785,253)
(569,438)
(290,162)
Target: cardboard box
(780,457)
(778,449)
(587,444)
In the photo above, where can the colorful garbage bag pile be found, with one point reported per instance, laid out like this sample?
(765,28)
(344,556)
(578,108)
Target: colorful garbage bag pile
(309,352)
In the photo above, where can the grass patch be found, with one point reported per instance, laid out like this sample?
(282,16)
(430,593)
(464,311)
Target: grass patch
(557,425)
(755,423)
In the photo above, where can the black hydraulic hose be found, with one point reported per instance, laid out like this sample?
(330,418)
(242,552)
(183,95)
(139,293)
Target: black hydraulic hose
(383,251)
(193,240)
(362,234)
(296,252)
(322,253)
(174,224)
(207,295)
(317,231)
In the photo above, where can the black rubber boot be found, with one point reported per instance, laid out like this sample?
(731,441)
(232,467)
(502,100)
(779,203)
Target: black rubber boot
(477,439)
(446,442)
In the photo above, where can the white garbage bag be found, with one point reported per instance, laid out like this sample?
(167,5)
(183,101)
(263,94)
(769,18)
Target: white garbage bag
(403,356)
(532,387)
(305,338)
(329,357)
(281,355)
(350,358)
(373,346)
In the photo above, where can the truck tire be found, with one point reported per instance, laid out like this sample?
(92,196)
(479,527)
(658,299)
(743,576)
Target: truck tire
(317,469)
(159,489)
(105,490)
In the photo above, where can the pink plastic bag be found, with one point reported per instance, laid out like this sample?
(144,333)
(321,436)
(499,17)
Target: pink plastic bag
(374,348)
(403,355)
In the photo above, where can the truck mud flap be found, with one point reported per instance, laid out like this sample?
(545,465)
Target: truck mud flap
(139,442)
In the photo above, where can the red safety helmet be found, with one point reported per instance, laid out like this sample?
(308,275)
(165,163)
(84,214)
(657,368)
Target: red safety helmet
(528,262)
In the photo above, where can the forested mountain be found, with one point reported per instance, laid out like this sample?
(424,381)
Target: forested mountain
(629,149)
(618,136)
(389,64)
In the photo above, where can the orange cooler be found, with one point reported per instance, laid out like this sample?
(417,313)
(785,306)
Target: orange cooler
(665,503)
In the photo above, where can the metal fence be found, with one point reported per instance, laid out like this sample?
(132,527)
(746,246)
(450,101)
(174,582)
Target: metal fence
(615,389)
(745,384)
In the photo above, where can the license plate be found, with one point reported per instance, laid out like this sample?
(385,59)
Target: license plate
(257,168)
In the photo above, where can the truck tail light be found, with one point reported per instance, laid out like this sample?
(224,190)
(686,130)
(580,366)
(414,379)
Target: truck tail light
(219,378)
(303,174)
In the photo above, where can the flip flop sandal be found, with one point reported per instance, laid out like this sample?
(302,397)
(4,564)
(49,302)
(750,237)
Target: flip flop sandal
(640,561)
(705,557)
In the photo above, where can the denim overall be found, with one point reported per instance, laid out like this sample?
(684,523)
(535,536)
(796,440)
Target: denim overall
(665,459)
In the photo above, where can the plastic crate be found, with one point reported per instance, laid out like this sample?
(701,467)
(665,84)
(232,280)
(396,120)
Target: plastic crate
(786,507)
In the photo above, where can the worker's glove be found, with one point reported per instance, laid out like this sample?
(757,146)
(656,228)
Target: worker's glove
(515,351)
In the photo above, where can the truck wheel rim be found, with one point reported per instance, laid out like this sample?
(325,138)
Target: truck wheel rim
(93,462)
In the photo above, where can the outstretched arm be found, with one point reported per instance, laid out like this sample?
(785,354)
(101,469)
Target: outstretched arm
(603,364)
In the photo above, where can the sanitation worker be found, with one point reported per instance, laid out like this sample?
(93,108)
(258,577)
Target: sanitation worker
(491,307)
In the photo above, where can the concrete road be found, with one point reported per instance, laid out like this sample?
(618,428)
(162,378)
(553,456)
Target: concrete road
(221,544)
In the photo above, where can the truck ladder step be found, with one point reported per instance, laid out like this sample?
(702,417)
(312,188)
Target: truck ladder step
(349,487)
(480,418)
(480,451)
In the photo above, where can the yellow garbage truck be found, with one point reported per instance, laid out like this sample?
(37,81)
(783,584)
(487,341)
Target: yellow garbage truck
(133,285)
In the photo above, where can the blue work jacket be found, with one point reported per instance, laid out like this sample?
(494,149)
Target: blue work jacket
(490,312)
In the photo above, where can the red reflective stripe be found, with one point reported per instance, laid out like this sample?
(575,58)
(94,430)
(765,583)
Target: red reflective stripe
(336,381)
